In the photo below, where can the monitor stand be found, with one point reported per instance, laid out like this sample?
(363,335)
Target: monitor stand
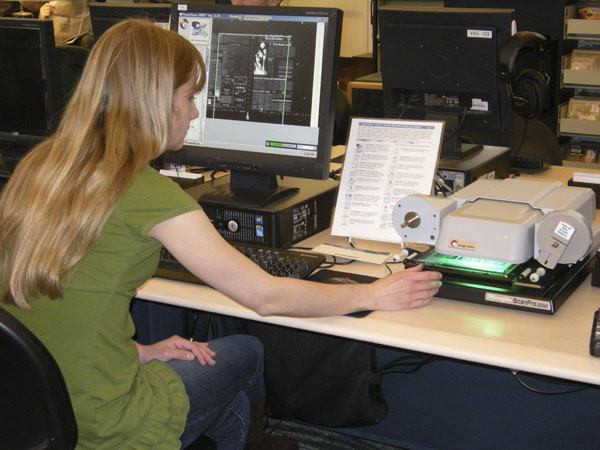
(452,145)
(460,150)
(249,190)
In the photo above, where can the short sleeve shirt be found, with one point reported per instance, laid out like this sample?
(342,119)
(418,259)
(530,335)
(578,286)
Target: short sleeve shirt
(118,402)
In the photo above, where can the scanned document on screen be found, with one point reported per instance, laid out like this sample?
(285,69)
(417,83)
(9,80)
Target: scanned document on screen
(385,160)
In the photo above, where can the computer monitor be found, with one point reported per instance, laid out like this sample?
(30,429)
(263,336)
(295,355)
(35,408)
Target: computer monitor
(268,105)
(29,88)
(105,15)
(442,64)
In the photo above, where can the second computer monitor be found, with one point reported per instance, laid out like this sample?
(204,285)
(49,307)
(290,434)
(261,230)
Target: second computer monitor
(268,105)
(443,63)
(105,15)
(29,84)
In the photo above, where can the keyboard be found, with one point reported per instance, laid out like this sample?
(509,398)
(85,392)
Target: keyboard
(278,262)
(529,163)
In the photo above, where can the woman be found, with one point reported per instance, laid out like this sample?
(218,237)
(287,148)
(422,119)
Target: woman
(82,221)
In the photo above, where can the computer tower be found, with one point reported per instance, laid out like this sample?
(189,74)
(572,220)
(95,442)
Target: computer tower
(279,224)
(491,162)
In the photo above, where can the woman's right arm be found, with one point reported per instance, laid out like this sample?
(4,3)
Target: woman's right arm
(193,240)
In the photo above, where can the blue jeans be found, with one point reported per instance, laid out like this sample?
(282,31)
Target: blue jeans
(220,395)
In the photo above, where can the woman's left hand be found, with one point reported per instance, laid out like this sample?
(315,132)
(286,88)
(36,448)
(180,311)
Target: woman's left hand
(177,347)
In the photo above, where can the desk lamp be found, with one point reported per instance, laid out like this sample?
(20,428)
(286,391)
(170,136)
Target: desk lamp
(22,14)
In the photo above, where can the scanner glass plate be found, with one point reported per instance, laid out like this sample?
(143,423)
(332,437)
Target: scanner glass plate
(477,265)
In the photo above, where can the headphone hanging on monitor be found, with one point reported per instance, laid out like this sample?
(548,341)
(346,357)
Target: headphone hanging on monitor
(528,88)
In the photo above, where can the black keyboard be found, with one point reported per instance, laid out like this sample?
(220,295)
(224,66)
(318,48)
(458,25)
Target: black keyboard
(531,163)
(278,262)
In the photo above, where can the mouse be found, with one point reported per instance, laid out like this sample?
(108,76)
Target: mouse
(346,280)
(339,280)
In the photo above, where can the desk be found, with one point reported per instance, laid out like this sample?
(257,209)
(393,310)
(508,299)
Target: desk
(555,345)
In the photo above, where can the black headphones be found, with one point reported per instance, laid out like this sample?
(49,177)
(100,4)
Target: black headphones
(528,89)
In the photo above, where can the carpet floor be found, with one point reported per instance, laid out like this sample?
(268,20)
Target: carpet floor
(316,438)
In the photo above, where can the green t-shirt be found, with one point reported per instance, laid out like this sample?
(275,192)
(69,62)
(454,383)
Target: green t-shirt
(118,403)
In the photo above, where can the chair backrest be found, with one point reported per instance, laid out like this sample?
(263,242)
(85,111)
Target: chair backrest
(35,408)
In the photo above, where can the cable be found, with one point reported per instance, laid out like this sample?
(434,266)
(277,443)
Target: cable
(388,263)
(441,183)
(326,264)
(406,364)
(335,174)
(580,387)
(516,152)
(214,172)
(342,263)
(459,125)
(335,262)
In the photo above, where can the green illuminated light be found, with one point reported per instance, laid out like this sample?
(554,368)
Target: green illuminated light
(463,262)
(485,287)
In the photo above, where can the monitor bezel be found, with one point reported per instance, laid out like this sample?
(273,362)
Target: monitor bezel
(415,16)
(263,163)
(123,11)
(28,135)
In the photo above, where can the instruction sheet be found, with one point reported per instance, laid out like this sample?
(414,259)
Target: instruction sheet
(385,160)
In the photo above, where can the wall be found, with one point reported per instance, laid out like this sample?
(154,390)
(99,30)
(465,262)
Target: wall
(356,30)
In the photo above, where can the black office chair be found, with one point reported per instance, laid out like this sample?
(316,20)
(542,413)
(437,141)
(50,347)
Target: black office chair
(35,408)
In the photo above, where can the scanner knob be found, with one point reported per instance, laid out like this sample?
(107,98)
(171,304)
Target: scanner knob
(411,220)
(233,226)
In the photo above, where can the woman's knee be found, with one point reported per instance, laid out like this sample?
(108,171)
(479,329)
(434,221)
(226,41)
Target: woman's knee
(240,350)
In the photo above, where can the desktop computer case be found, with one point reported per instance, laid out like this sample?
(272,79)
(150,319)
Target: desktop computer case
(279,224)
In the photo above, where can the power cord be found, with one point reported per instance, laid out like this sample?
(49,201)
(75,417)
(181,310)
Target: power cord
(406,364)
(518,149)
(574,387)
(441,186)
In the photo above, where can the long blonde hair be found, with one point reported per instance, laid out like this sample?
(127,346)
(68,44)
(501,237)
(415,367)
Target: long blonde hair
(64,190)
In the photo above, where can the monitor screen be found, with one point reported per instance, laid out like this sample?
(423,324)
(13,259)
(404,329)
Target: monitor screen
(29,100)
(105,15)
(442,63)
(268,105)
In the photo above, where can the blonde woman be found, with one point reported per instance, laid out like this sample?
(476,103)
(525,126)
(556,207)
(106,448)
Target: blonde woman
(82,221)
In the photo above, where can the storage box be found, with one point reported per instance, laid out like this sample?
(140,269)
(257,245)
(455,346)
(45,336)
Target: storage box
(584,108)
(585,60)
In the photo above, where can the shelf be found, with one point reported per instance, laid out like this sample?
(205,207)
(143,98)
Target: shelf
(580,28)
(581,78)
(581,164)
(589,129)
(576,127)
(583,29)
(585,130)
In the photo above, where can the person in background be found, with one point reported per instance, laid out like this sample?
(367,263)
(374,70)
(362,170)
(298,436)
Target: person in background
(82,222)
(71,20)
(8,8)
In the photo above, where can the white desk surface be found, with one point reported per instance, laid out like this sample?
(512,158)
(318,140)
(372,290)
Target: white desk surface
(554,345)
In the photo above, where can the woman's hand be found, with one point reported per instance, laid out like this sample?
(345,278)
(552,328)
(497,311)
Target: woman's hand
(411,288)
(177,347)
